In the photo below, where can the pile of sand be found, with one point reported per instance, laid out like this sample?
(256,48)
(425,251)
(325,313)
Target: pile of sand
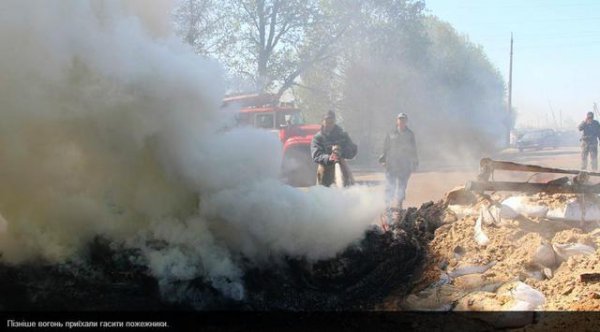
(525,264)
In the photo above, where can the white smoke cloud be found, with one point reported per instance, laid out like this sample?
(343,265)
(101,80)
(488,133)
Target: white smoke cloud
(271,216)
(109,129)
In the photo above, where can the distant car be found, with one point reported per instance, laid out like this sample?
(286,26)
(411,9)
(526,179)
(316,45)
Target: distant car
(538,139)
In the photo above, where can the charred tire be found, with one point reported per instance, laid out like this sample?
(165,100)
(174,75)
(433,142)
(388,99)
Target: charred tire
(298,169)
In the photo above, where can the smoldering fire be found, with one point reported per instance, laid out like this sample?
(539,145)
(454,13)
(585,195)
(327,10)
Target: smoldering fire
(110,130)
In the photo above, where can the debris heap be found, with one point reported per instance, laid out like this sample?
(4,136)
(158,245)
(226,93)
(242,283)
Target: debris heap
(512,253)
(109,276)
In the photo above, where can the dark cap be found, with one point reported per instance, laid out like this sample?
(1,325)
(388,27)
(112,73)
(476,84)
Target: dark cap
(329,115)
(590,114)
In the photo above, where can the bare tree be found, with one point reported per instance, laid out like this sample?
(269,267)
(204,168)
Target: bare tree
(199,24)
(263,41)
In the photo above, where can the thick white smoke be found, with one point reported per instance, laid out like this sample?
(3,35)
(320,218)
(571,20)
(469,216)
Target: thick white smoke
(112,129)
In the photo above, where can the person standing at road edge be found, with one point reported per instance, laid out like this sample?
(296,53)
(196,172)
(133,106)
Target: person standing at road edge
(399,159)
(589,141)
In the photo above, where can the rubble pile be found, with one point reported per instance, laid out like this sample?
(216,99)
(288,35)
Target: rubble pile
(503,253)
(467,253)
(109,276)
(103,278)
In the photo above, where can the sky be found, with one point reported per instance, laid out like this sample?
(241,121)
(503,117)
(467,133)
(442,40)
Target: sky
(556,52)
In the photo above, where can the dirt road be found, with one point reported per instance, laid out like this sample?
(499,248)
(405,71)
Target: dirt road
(431,184)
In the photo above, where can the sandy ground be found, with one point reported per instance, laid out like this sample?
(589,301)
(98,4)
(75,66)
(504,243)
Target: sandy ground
(432,184)
(508,262)
(545,258)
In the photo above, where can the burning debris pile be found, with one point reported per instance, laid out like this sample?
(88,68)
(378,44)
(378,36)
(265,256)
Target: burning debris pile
(113,135)
(112,277)
(513,253)
(123,189)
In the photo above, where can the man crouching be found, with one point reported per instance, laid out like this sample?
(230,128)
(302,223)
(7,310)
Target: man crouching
(330,147)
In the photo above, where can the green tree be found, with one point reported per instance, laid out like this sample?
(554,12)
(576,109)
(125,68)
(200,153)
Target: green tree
(395,59)
(366,59)
(359,82)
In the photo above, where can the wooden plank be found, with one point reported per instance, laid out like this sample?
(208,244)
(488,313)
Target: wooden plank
(512,166)
(531,187)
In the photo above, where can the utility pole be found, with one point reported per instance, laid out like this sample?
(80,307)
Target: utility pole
(560,121)
(552,113)
(509,111)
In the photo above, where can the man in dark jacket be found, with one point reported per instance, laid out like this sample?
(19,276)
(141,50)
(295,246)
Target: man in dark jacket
(400,160)
(589,141)
(321,149)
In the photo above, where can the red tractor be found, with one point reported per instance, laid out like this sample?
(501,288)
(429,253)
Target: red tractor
(266,112)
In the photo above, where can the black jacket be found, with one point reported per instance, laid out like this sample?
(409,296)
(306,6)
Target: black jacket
(400,152)
(320,147)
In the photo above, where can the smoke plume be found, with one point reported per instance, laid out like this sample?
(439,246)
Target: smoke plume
(110,126)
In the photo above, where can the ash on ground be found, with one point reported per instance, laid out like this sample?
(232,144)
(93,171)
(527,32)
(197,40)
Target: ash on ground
(111,277)
(514,254)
